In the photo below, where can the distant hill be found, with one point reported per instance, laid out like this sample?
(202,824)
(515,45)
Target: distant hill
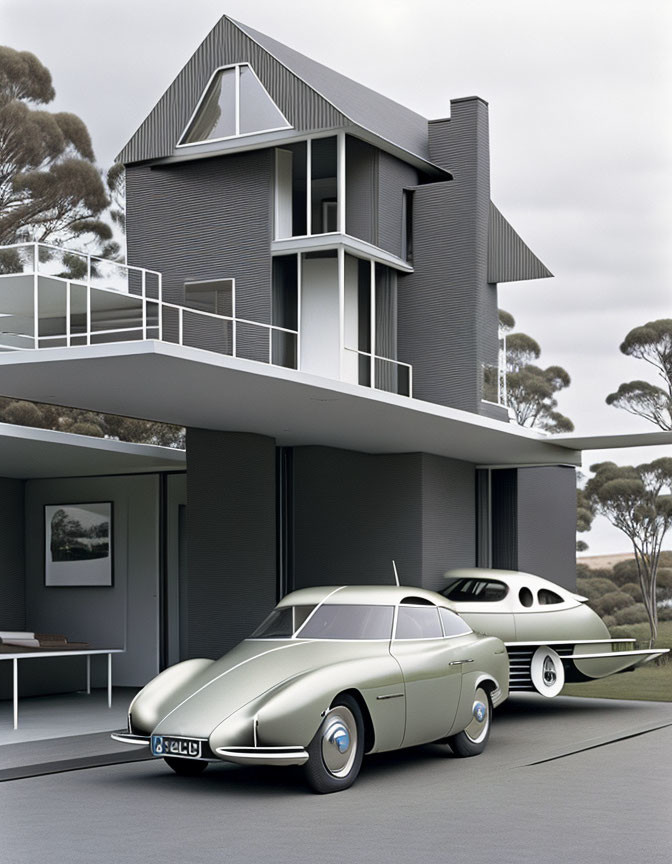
(599,562)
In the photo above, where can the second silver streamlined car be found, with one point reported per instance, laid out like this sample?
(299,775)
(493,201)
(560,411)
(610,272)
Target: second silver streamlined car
(333,673)
(551,635)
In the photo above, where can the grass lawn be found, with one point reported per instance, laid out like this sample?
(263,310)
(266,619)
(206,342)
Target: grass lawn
(650,682)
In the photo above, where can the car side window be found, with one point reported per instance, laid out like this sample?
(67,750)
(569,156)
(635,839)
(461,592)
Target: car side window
(453,625)
(526,597)
(418,622)
(545,597)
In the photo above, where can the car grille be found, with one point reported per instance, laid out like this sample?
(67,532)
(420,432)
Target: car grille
(520,661)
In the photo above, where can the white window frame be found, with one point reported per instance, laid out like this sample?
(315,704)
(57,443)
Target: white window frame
(238,133)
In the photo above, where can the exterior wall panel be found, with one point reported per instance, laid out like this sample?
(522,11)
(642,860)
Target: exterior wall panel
(356,512)
(231,528)
(546,522)
(207,219)
(393,176)
(360,195)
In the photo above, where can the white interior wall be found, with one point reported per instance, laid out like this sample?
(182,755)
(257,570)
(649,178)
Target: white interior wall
(351,324)
(283,193)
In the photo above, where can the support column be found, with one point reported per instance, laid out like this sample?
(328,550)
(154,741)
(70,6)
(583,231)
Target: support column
(231,549)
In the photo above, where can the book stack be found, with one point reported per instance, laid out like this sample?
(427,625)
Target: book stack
(11,639)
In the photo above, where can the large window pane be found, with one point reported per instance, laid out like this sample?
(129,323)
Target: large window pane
(349,622)
(216,115)
(257,109)
(324,189)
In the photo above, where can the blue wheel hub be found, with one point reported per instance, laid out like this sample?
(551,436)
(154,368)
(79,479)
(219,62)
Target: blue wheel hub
(479,711)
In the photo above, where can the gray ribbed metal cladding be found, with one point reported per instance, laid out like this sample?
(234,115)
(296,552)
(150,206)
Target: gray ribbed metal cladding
(12,572)
(361,180)
(355,512)
(393,176)
(447,309)
(546,523)
(179,223)
(366,107)
(231,549)
(509,258)
(226,44)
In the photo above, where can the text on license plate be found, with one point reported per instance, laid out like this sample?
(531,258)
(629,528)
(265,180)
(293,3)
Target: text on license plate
(162,746)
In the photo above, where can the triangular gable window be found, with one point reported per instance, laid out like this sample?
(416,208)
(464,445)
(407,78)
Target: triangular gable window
(234,103)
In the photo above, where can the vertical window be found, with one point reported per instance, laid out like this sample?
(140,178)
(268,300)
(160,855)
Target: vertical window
(323,185)
(407,225)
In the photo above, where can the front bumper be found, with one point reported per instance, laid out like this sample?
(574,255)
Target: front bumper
(239,755)
(263,755)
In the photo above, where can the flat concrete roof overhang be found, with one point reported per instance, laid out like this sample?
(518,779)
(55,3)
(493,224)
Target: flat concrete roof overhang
(27,453)
(190,387)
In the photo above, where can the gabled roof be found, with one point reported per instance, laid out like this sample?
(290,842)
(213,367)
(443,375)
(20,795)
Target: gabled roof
(310,95)
(365,107)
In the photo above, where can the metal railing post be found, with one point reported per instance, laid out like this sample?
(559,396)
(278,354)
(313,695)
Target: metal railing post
(160,307)
(88,313)
(36,300)
(180,326)
(68,301)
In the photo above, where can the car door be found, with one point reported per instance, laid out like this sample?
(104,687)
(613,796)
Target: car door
(432,670)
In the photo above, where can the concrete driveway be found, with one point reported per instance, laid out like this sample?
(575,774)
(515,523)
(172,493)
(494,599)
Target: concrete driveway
(565,780)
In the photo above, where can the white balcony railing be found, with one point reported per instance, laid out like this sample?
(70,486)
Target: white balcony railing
(392,376)
(51,297)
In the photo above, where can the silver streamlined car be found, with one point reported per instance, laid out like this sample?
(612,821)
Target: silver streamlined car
(550,634)
(331,674)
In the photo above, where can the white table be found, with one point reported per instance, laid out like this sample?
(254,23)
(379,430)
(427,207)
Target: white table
(78,652)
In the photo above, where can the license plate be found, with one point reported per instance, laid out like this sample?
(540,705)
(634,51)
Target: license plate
(163,746)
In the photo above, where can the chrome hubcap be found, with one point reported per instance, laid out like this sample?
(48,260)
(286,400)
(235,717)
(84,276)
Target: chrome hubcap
(339,741)
(480,720)
(550,675)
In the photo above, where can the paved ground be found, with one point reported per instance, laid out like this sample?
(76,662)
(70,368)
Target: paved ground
(549,788)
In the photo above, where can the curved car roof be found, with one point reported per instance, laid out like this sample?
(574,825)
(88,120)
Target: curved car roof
(364,594)
(515,579)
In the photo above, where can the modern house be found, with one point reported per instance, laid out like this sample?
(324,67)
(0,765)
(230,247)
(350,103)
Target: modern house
(312,292)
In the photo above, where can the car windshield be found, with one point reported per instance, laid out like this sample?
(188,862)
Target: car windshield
(476,590)
(349,622)
(282,623)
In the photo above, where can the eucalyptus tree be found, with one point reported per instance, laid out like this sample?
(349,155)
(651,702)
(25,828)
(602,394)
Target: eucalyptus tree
(638,501)
(652,343)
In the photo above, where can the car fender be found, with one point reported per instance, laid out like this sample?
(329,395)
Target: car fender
(290,714)
(490,667)
(162,693)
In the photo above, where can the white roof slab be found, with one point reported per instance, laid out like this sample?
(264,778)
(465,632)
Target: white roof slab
(190,387)
(27,453)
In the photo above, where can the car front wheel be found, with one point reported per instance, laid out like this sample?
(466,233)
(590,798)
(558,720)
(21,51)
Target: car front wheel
(186,767)
(335,753)
(472,740)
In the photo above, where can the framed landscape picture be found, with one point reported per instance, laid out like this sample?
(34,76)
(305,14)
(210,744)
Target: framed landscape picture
(78,545)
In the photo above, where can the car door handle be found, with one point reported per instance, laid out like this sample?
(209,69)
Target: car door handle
(458,662)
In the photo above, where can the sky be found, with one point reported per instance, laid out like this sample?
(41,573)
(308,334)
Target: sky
(580,134)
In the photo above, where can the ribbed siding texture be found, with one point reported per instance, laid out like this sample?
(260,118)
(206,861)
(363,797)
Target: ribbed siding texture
(356,512)
(360,194)
(448,518)
(509,258)
(231,581)
(364,106)
(447,309)
(207,219)
(12,575)
(393,176)
(547,523)
(224,45)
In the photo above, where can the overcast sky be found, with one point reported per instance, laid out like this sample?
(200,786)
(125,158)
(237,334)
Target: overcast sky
(580,130)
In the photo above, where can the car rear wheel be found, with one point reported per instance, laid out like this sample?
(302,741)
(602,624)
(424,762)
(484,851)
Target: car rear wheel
(335,753)
(472,740)
(186,767)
